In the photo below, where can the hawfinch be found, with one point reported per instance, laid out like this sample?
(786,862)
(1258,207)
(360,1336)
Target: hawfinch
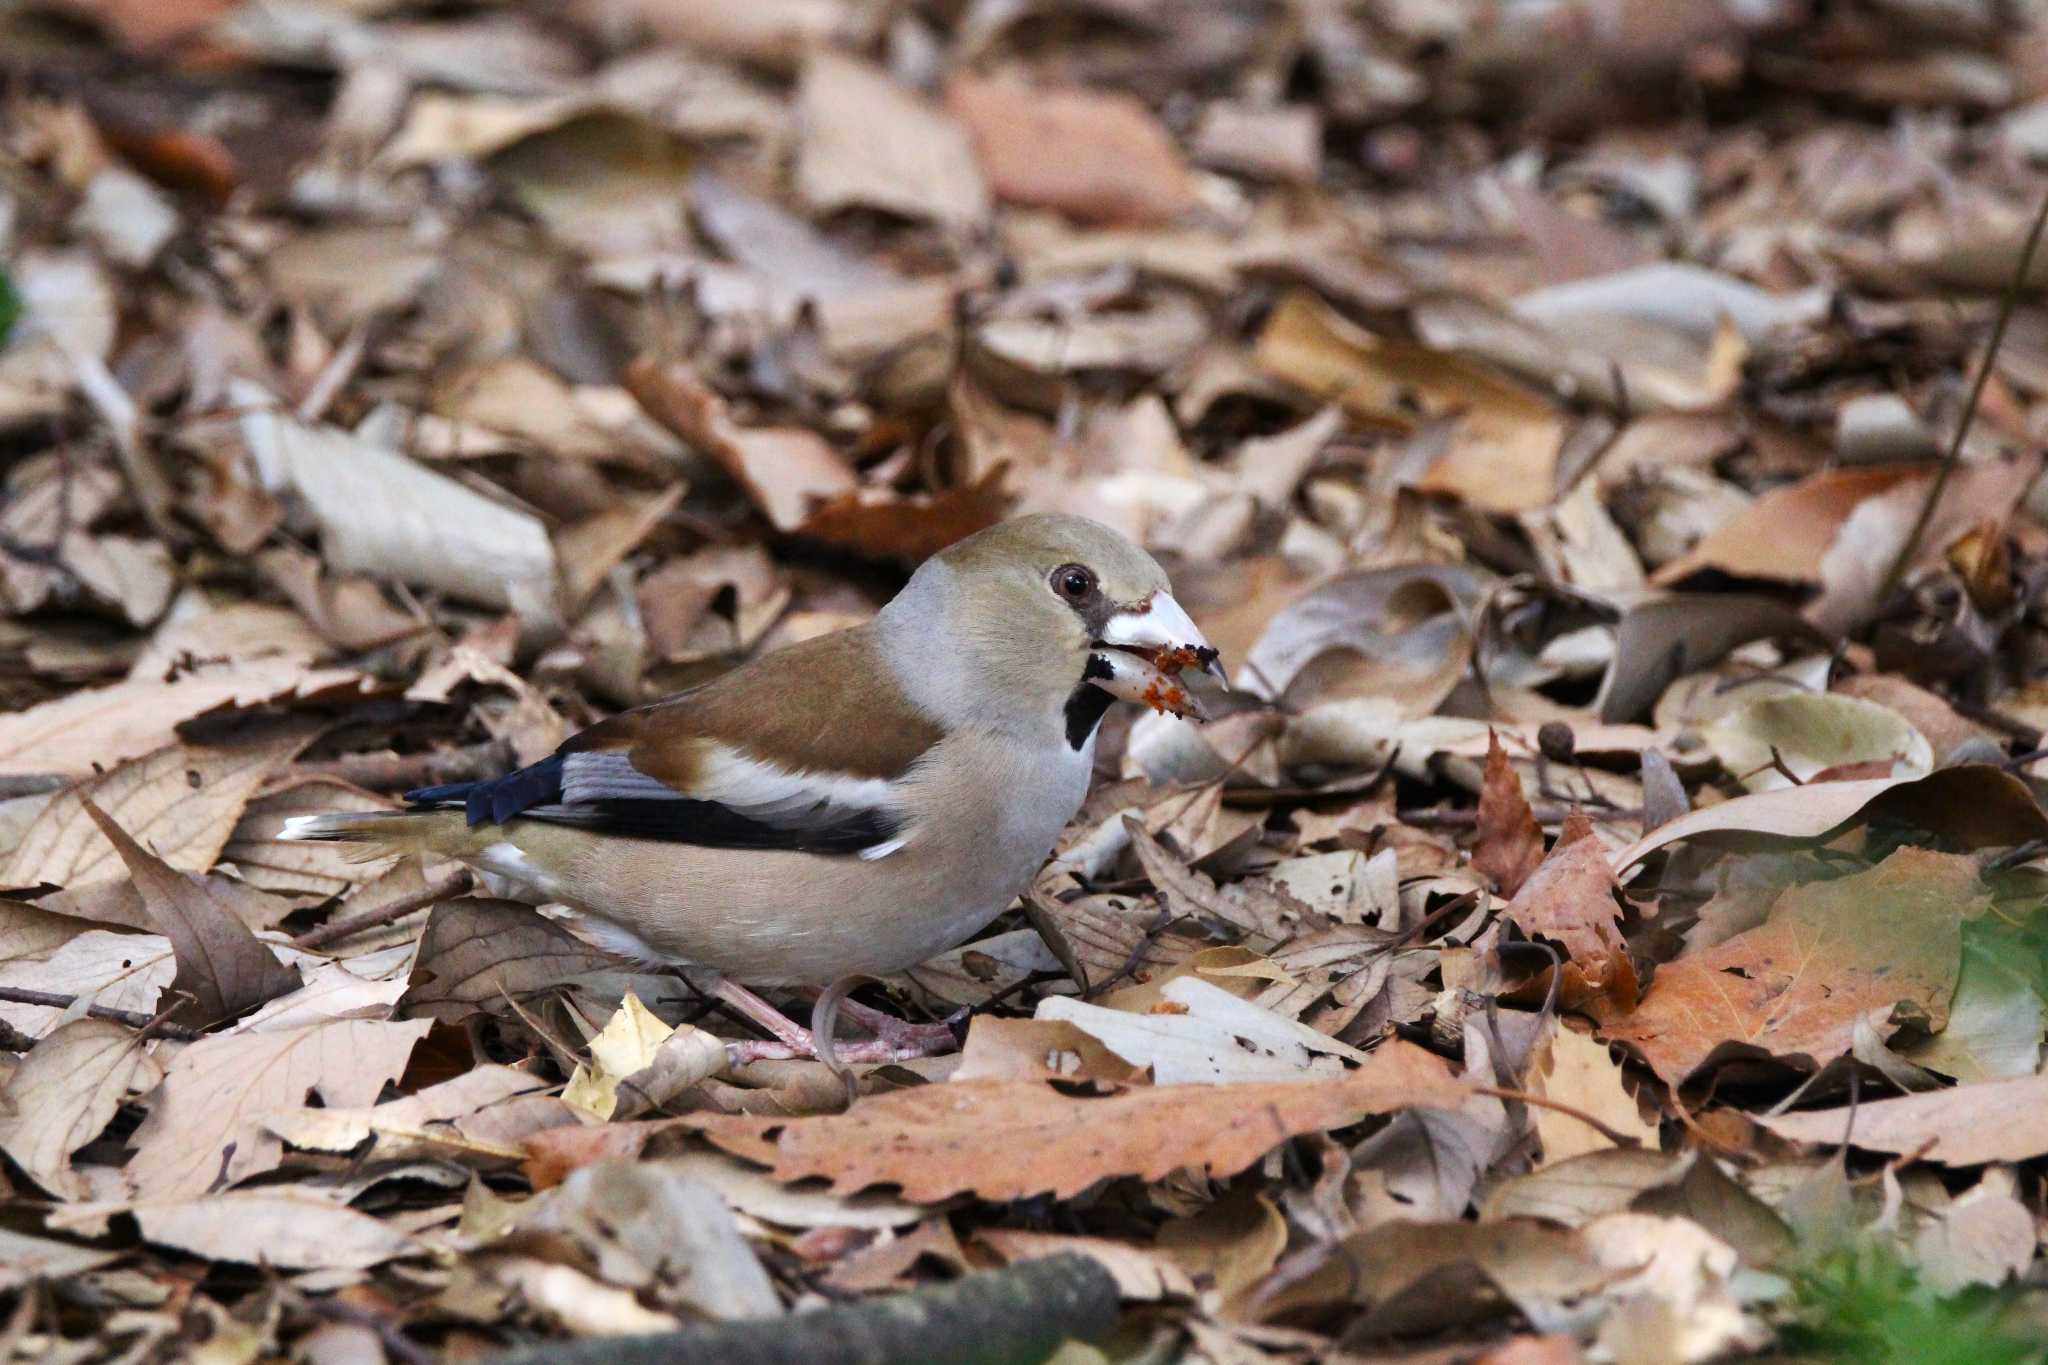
(845,807)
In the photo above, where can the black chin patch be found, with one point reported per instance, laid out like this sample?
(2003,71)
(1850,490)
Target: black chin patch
(1088,704)
(1085,710)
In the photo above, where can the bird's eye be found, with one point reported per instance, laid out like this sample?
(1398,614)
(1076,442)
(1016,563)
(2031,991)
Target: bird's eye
(1073,582)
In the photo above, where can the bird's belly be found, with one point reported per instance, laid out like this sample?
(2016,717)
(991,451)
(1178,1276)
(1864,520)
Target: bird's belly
(792,918)
(784,918)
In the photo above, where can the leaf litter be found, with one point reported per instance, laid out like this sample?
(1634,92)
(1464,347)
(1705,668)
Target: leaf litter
(1607,919)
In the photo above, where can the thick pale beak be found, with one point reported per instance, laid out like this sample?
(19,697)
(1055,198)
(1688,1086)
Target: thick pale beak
(1144,649)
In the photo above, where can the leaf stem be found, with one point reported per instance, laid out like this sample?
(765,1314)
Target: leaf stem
(1953,456)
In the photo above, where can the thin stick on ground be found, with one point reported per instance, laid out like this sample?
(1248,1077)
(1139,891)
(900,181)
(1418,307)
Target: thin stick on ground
(454,884)
(21,995)
(1953,455)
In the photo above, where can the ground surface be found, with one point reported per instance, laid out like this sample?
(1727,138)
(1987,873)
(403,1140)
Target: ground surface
(1608,920)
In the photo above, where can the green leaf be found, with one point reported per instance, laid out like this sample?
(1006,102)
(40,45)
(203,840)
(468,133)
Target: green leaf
(10,306)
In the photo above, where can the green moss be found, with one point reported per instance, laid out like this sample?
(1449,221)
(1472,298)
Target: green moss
(1866,1306)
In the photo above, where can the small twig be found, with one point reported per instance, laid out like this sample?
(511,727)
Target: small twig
(454,884)
(388,771)
(1618,1138)
(31,784)
(135,1019)
(1954,454)
(1469,819)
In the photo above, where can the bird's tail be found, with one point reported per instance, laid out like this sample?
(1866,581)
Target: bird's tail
(383,833)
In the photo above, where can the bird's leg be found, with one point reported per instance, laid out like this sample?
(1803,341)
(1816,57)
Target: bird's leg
(792,1040)
(887,1028)
(778,1025)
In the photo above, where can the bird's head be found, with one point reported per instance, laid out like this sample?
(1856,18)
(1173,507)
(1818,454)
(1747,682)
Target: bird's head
(1045,614)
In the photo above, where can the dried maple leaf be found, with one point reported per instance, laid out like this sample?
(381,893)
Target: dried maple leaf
(1510,844)
(1010,1139)
(1830,953)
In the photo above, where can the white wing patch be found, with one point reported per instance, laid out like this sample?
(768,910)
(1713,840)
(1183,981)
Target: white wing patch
(760,791)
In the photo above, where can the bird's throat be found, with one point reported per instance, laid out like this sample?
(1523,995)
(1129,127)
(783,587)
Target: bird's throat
(1085,710)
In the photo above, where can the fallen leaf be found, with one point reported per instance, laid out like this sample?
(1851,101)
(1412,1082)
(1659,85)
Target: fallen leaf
(205,1125)
(1830,953)
(641,1221)
(1985,1236)
(1975,804)
(637,1063)
(65,1093)
(25,1259)
(1502,439)
(271,1228)
(1995,1021)
(1575,1069)
(785,470)
(1423,1270)
(1141,1274)
(1853,570)
(94,727)
(870,142)
(223,972)
(185,800)
(1208,1037)
(1970,1125)
(1095,156)
(477,953)
(1570,901)
(1509,843)
(1010,1139)
(380,512)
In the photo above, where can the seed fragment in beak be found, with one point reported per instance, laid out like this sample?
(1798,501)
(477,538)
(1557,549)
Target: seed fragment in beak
(1129,676)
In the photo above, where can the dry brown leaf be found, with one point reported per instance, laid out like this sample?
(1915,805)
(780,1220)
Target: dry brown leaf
(475,953)
(1785,534)
(64,1094)
(118,969)
(1096,156)
(206,1124)
(1975,805)
(271,1228)
(381,512)
(152,26)
(1142,1275)
(1502,439)
(222,970)
(1969,1125)
(96,727)
(1829,954)
(1265,913)
(1575,1069)
(909,530)
(184,800)
(1852,572)
(999,1049)
(1420,1273)
(1012,1139)
(784,470)
(868,141)
(1569,900)
(1509,843)
(347,610)
(589,549)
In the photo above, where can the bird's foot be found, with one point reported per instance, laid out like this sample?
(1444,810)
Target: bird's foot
(895,1040)
(939,1038)
(867,1052)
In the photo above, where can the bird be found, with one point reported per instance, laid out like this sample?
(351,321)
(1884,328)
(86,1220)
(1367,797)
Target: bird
(842,808)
